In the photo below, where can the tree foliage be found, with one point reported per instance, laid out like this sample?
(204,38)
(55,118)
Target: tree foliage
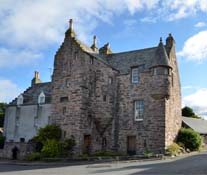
(2,113)
(188,112)
(51,149)
(49,132)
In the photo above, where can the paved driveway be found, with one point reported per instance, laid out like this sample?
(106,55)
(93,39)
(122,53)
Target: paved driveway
(195,164)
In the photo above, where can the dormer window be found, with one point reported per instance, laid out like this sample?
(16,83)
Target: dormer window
(41,98)
(20,99)
(161,71)
(135,75)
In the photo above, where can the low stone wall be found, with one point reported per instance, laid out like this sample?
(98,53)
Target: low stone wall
(23,150)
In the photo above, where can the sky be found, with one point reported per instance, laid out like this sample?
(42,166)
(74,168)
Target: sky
(32,31)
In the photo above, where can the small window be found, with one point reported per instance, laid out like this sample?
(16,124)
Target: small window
(139,110)
(67,83)
(22,140)
(104,98)
(91,60)
(41,98)
(63,99)
(64,110)
(155,71)
(20,99)
(166,71)
(110,80)
(135,75)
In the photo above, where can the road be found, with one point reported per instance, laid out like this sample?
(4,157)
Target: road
(195,164)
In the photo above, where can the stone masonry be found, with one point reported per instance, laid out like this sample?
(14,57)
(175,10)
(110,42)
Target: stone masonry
(93,96)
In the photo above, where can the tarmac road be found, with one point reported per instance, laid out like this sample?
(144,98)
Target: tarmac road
(190,165)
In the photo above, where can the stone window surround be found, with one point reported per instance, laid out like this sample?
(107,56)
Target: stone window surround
(134,70)
(134,110)
(139,68)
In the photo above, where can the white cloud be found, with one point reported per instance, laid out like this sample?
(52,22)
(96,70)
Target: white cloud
(195,48)
(197,101)
(200,24)
(8,90)
(11,58)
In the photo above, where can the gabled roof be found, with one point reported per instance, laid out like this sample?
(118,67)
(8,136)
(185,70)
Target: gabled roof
(198,125)
(125,60)
(31,94)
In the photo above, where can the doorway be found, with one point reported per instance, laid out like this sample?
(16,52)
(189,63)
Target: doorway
(131,145)
(87,144)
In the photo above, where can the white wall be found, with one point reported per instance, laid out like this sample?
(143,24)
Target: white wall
(31,117)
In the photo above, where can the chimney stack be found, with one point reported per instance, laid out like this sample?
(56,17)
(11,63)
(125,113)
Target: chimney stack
(94,46)
(36,78)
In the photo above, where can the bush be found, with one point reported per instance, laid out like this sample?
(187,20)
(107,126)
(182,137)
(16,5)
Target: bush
(51,149)
(49,132)
(68,146)
(174,149)
(2,140)
(107,153)
(33,157)
(190,139)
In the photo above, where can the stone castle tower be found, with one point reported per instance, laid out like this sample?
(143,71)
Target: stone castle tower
(128,102)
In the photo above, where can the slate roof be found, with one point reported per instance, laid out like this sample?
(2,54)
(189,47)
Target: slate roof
(123,61)
(31,94)
(198,125)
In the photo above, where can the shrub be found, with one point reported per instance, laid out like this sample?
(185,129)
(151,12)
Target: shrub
(174,149)
(2,140)
(49,132)
(33,157)
(107,153)
(148,153)
(190,139)
(51,148)
(68,146)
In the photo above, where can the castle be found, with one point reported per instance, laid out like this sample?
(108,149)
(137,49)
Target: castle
(127,102)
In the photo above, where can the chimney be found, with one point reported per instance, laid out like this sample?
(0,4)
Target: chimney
(36,78)
(94,46)
(105,50)
(71,24)
(170,43)
(70,32)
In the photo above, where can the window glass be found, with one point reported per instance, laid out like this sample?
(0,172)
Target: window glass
(139,110)
(135,75)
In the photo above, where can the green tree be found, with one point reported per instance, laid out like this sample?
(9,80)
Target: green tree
(49,132)
(188,112)
(2,113)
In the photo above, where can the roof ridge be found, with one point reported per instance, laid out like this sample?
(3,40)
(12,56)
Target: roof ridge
(150,48)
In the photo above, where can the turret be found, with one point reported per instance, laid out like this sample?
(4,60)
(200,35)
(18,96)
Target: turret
(36,78)
(105,50)
(161,69)
(94,45)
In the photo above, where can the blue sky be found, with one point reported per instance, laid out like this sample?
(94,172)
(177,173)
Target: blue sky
(32,31)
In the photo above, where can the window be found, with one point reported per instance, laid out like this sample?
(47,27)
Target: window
(67,83)
(64,110)
(63,99)
(138,110)
(110,80)
(161,71)
(41,98)
(104,98)
(91,60)
(20,100)
(135,75)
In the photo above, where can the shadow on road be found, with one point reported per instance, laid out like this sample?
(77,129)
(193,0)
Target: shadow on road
(194,165)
